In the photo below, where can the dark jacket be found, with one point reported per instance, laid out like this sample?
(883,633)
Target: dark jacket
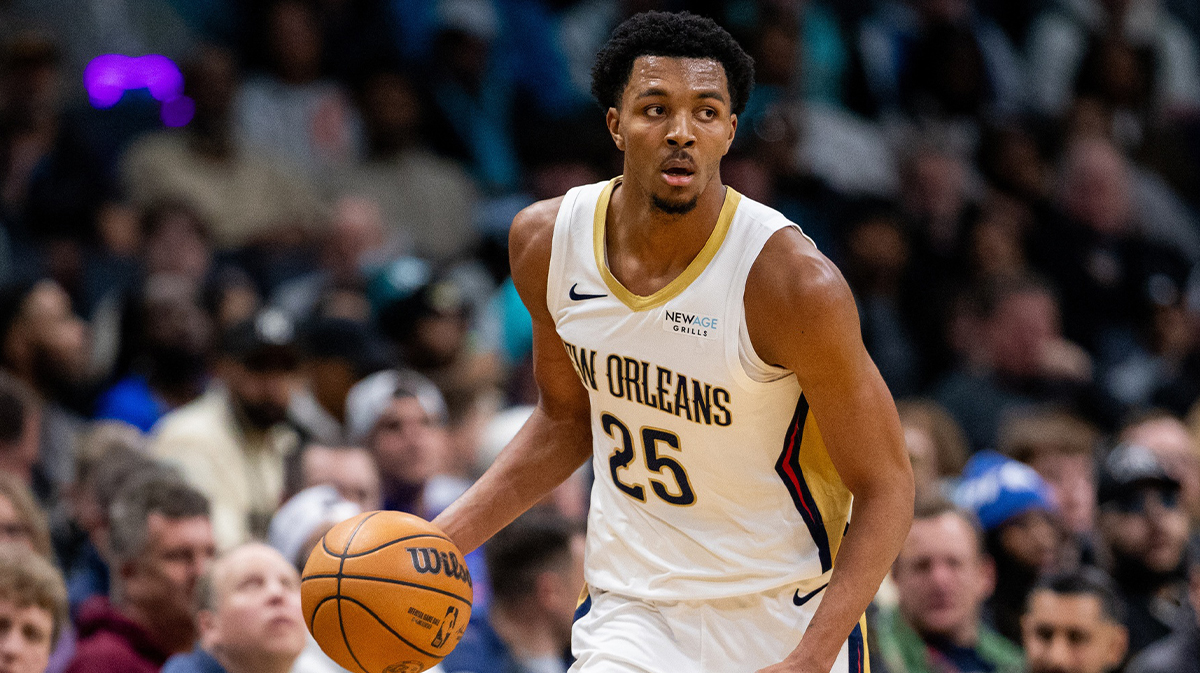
(110,642)
(196,661)
(1178,653)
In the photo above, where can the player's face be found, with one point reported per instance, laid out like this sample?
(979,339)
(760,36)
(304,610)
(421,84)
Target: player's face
(25,633)
(674,125)
(942,577)
(1065,633)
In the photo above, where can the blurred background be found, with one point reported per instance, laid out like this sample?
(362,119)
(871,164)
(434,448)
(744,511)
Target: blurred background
(277,258)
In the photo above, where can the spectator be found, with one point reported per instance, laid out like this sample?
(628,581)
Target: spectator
(1145,531)
(1073,624)
(248,615)
(290,113)
(1016,358)
(936,446)
(22,522)
(1179,652)
(110,454)
(1059,38)
(234,441)
(337,354)
(160,544)
(1022,533)
(351,470)
(943,576)
(176,242)
(33,611)
(168,346)
(401,418)
(305,518)
(1176,448)
(20,429)
(427,201)
(1062,449)
(536,564)
(46,346)
(242,195)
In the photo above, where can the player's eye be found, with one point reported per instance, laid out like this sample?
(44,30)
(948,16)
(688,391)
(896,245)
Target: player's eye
(708,113)
(655,110)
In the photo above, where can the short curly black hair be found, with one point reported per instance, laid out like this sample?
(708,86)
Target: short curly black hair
(674,34)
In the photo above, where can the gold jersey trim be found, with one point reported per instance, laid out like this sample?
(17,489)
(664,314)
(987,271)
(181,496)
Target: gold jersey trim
(641,303)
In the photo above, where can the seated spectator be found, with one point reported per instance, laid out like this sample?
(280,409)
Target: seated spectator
(1179,652)
(1062,449)
(1059,37)
(337,354)
(305,518)
(289,112)
(22,522)
(1022,532)
(351,470)
(168,354)
(110,454)
(248,615)
(401,418)
(1074,624)
(536,566)
(20,429)
(160,544)
(1176,449)
(33,612)
(426,201)
(1144,530)
(1017,358)
(937,449)
(233,442)
(243,196)
(943,576)
(46,346)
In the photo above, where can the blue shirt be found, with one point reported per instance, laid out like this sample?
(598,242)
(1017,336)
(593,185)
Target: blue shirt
(132,400)
(196,661)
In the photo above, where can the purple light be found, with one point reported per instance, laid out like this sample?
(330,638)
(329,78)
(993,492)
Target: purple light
(178,111)
(108,77)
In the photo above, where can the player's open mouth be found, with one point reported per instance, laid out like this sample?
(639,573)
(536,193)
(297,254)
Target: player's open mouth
(678,177)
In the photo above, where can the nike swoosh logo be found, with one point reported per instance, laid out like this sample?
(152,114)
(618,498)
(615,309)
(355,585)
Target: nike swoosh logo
(575,296)
(801,600)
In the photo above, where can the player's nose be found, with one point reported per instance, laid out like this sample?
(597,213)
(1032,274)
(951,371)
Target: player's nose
(680,132)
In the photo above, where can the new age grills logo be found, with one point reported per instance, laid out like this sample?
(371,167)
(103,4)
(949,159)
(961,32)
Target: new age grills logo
(431,561)
(681,322)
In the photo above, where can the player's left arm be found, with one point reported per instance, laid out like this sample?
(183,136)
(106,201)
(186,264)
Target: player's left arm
(801,315)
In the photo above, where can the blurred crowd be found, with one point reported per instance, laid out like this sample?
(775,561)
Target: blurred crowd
(296,307)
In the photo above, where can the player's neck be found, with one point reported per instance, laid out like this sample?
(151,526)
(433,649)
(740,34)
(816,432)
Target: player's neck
(643,240)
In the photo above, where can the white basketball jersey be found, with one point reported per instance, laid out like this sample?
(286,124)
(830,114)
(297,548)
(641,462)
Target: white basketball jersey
(711,477)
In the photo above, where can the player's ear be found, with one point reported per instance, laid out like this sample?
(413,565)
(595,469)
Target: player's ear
(613,121)
(733,119)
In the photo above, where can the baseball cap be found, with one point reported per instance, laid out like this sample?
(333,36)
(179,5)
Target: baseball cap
(1129,468)
(349,340)
(998,489)
(368,399)
(266,342)
(300,517)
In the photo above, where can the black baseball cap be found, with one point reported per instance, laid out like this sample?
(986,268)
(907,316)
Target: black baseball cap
(349,340)
(1129,468)
(266,342)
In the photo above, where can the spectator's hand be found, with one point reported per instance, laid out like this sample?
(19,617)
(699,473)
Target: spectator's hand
(1065,360)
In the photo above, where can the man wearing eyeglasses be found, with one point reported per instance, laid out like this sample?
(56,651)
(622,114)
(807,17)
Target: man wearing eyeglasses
(1145,530)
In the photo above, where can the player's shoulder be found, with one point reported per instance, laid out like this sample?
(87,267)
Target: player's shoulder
(791,271)
(533,227)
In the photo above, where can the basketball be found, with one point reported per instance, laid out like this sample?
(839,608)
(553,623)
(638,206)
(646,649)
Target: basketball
(386,592)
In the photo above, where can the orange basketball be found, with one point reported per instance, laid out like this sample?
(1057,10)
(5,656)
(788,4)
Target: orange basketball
(386,592)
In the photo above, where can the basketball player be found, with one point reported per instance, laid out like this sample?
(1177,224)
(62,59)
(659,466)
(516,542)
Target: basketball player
(707,358)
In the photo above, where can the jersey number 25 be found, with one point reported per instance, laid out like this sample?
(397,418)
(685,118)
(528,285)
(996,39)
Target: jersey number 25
(682,495)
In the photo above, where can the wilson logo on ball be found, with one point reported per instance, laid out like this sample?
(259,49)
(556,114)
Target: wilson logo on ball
(429,560)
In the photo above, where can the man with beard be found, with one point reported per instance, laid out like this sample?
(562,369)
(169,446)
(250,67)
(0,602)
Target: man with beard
(168,349)
(232,443)
(1144,529)
(1180,653)
(1072,624)
(46,346)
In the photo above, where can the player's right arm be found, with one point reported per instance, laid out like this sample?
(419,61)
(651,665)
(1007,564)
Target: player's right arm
(557,438)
